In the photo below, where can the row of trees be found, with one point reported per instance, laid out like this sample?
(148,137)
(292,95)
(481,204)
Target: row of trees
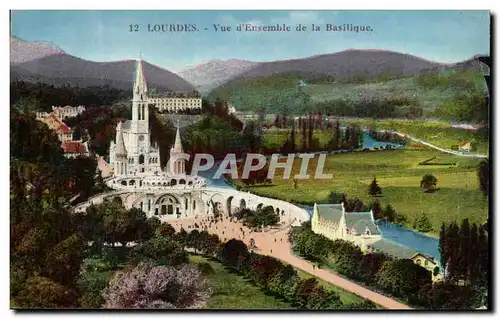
(401,278)
(267,272)
(41,96)
(46,244)
(260,217)
(351,137)
(464,253)
(354,204)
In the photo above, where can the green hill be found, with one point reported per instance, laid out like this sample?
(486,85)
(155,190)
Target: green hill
(435,94)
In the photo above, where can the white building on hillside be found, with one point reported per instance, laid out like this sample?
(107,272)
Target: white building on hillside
(67,111)
(176,102)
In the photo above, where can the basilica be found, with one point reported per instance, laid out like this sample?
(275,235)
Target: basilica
(135,160)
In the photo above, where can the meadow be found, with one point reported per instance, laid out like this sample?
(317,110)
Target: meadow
(399,174)
(233,291)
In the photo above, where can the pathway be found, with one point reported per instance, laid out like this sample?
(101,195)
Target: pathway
(458,153)
(275,243)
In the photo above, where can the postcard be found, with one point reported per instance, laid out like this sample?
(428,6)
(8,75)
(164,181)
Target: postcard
(239,160)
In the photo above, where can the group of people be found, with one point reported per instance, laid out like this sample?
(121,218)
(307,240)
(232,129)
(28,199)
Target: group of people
(228,227)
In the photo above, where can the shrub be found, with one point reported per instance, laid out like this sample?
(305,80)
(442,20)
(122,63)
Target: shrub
(157,287)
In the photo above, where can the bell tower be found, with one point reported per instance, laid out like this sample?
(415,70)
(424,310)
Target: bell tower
(140,112)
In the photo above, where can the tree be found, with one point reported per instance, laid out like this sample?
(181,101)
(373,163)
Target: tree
(121,225)
(165,229)
(304,135)
(389,213)
(483,173)
(428,183)
(161,250)
(442,245)
(402,277)
(157,287)
(483,254)
(232,250)
(42,292)
(472,255)
(423,223)
(376,209)
(293,146)
(464,247)
(336,198)
(374,189)
(370,265)
(263,268)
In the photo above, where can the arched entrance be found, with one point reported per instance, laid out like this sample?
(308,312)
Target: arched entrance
(216,205)
(243,204)
(228,205)
(168,205)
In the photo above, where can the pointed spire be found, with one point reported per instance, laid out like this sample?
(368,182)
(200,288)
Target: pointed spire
(178,144)
(120,144)
(140,86)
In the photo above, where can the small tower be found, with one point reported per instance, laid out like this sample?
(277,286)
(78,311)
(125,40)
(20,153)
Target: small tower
(177,165)
(120,152)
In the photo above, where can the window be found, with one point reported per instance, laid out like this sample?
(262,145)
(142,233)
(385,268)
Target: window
(426,262)
(418,262)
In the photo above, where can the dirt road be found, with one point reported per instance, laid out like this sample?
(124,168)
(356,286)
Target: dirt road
(274,242)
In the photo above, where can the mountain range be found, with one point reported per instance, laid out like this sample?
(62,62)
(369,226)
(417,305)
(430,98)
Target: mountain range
(45,62)
(211,74)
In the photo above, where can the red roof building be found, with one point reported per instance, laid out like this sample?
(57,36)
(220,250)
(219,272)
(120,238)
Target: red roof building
(75,148)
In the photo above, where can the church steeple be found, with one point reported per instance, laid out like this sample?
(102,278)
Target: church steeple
(177,165)
(140,112)
(178,144)
(140,86)
(120,144)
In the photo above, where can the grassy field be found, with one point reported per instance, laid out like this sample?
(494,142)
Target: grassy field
(438,133)
(398,173)
(232,291)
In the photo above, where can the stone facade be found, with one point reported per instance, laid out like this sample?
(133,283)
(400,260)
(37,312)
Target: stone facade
(332,221)
(176,104)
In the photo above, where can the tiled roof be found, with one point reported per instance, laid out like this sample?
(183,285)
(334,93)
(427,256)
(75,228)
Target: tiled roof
(74,147)
(331,212)
(393,249)
(462,143)
(429,258)
(361,221)
(58,125)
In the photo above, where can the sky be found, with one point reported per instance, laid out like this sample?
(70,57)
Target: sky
(442,36)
